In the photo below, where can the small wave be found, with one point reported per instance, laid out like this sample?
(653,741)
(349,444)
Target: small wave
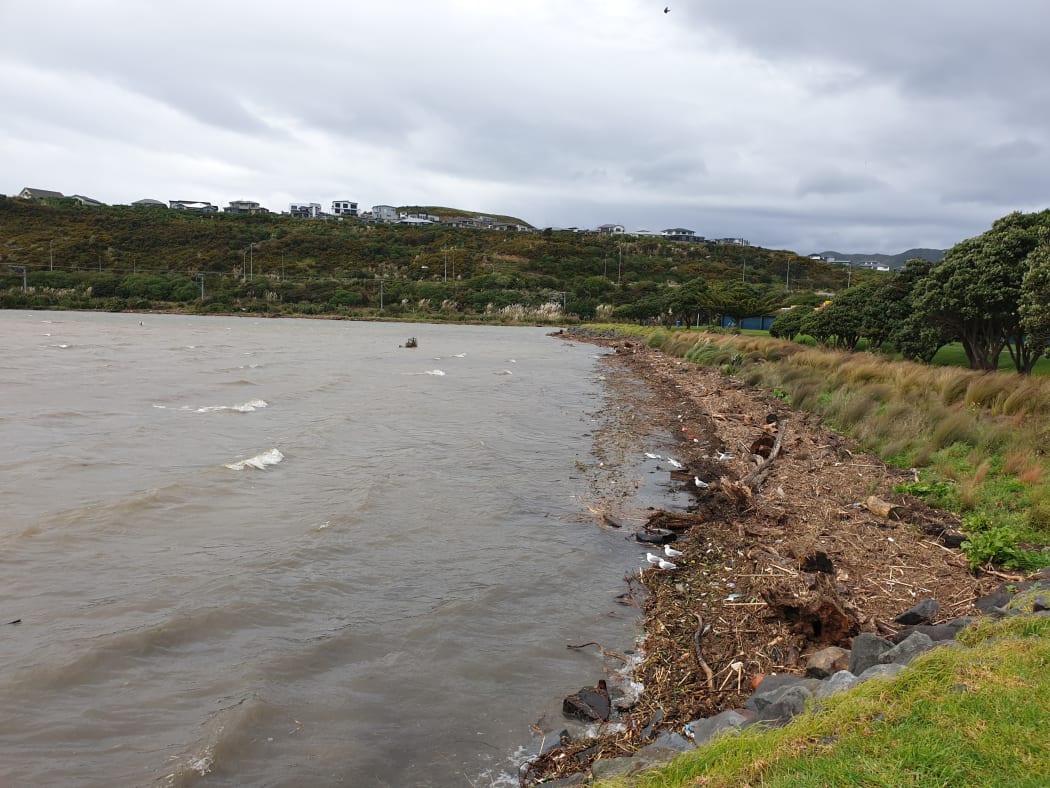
(228,734)
(504,372)
(245,407)
(63,346)
(260,461)
(436,372)
(460,355)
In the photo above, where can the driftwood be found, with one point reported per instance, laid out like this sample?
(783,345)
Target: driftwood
(758,475)
(882,508)
(697,636)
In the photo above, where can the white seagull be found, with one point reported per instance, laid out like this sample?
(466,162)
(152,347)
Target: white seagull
(652,456)
(723,456)
(670,552)
(666,565)
(674,463)
(700,483)
(652,558)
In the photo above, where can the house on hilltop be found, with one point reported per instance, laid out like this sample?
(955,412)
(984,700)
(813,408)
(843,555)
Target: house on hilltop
(305,210)
(244,206)
(384,213)
(148,203)
(193,205)
(88,201)
(610,229)
(344,208)
(681,234)
(38,194)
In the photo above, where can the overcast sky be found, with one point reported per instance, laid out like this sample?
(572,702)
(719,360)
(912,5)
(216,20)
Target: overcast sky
(809,125)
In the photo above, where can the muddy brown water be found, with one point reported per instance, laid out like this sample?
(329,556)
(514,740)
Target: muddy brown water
(289,552)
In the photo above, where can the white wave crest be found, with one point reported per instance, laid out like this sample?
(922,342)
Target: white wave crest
(437,372)
(260,461)
(244,407)
(504,372)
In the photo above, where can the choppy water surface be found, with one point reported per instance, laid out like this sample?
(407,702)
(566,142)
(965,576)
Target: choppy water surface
(288,552)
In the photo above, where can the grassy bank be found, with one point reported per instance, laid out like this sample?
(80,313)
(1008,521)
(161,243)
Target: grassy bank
(978,439)
(960,717)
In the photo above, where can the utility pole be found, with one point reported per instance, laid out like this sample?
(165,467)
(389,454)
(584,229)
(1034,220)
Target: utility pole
(52,247)
(453,263)
(201,277)
(380,295)
(445,250)
(619,265)
(787,278)
(251,262)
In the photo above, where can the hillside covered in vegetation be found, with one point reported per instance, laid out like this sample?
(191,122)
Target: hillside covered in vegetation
(121,257)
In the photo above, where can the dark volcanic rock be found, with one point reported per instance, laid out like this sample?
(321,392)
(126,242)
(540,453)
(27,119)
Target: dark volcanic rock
(921,613)
(590,704)
(907,650)
(866,651)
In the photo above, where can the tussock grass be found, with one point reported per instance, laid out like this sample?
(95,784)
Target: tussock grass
(912,415)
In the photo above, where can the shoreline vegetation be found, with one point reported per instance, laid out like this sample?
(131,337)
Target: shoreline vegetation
(820,545)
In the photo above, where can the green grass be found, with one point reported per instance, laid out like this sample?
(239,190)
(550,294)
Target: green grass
(953,355)
(956,717)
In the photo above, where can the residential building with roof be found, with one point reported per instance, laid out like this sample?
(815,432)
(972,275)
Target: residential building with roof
(384,213)
(193,205)
(681,234)
(38,194)
(344,208)
(305,210)
(244,206)
(610,229)
(149,203)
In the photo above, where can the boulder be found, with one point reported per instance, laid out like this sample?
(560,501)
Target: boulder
(790,703)
(590,704)
(921,613)
(665,747)
(767,697)
(907,650)
(823,663)
(936,632)
(866,651)
(837,682)
(732,720)
(887,671)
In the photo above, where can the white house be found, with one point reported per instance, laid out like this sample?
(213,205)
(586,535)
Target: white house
(344,208)
(681,234)
(384,213)
(305,210)
(610,229)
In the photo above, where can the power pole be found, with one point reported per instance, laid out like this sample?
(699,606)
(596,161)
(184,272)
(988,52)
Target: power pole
(52,248)
(380,295)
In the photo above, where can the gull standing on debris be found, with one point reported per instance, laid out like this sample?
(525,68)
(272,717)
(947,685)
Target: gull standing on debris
(670,552)
(666,564)
(674,463)
(652,558)
(700,483)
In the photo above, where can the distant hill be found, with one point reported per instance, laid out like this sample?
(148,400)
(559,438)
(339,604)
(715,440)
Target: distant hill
(894,261)
(457,213)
